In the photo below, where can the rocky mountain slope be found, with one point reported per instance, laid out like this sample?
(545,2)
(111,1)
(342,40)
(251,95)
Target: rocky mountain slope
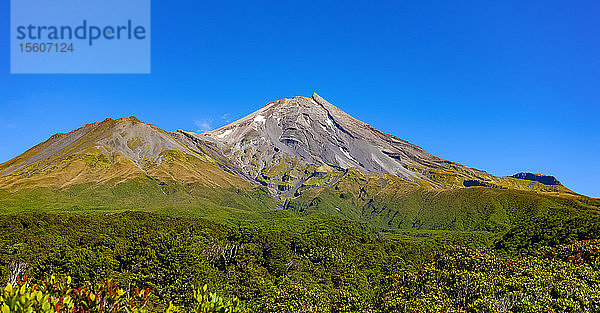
(292,143)
(287,145)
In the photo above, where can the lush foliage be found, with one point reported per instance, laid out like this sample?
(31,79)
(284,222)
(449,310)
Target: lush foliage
(57,295)
(457,279)
(538,232)
(288,265)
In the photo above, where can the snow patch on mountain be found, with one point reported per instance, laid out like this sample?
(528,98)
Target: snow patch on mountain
(227,132)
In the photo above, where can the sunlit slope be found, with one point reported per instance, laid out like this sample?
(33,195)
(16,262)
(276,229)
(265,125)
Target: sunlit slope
(172,198)
(125,164)
(389,203)
(112,152)
(293,156)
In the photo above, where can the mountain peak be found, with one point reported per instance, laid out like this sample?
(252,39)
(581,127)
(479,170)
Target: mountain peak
(285,145)
(122,119)
(317,98)
(114,150)
(304,131)
(134,119)
(307,102)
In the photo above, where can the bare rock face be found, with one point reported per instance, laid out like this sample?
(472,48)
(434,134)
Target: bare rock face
(289,141)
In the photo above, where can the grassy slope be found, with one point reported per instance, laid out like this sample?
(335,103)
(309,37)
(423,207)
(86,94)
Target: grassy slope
(144,194)
(383,203)
(389,204)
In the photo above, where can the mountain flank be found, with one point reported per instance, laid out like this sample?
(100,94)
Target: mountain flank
(306,141)
(301,155)
(112,152)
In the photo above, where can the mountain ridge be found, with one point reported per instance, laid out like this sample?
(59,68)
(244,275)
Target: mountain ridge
(287,145)
(292,156)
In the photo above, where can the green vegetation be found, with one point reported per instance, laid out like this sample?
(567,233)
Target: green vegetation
(57,295)
(536,233)
(120,216)
(563,279)
(388,204)
(293,263)
(360,244)
(144,194)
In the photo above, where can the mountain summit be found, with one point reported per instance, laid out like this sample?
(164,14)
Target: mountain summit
(288,143)
(300,131)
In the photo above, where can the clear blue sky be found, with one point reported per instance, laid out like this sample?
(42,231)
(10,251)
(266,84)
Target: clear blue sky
(505,86)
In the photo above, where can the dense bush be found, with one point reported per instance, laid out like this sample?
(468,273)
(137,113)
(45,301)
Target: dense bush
(172,257)
(549,231)
(293,265)
(457,279)
(57,295)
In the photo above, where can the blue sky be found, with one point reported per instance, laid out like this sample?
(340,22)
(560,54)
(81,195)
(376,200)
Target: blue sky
(502,86)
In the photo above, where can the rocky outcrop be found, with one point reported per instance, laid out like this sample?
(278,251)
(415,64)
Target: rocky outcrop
(540,178)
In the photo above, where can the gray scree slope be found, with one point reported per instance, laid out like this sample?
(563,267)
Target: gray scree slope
(304,130)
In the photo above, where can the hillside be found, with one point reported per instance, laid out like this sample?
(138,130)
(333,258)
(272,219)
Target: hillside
(292,156)
(112,152)
(123,164)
